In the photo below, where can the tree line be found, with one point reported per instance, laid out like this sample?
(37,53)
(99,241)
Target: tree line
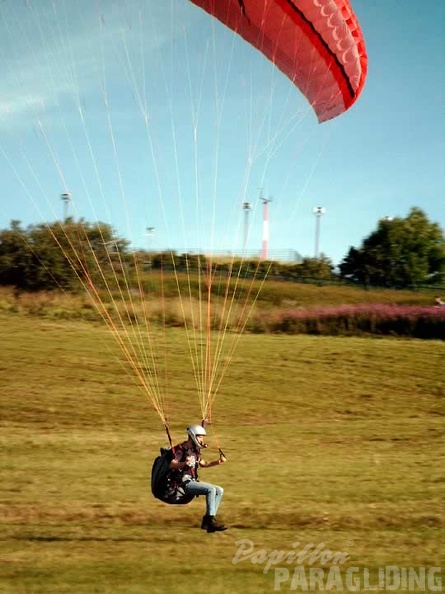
(399,253)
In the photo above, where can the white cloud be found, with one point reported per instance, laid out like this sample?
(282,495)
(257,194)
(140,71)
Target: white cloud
(53,51)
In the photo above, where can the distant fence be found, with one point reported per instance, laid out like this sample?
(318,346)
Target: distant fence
(278,255)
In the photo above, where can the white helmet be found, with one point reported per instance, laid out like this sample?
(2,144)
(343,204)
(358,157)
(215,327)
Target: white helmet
(193,431)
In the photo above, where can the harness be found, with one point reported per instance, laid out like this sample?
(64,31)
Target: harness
(170,485)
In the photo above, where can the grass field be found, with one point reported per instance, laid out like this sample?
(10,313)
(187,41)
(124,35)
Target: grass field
(329,440)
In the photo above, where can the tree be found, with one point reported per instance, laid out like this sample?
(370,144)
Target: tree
(14,255)
(316,268)
(58,255)
(401,253)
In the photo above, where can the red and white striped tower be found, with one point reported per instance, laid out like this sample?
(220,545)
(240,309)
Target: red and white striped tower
(265,226)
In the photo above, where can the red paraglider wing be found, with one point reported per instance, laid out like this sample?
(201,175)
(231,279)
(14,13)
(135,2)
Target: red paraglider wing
(318,44)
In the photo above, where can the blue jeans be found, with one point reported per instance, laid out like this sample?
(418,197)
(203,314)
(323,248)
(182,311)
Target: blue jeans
(213,494)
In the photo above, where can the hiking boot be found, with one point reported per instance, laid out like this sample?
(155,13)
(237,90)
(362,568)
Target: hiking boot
(205,522)
(213,525)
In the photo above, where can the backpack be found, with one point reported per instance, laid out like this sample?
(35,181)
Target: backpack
(163,486)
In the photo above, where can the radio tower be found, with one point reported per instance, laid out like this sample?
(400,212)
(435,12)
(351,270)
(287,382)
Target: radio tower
(246,209)
(318,211)
(265,202)
(66,199)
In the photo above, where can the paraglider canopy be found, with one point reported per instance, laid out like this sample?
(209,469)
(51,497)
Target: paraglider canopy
(318,44)
(129,113)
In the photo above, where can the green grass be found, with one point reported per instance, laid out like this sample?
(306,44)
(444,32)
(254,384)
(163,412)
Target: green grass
(329,440)
(271,295)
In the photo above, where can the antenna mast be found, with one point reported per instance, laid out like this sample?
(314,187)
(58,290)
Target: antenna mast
(265,202)
(66,199)
(246,208)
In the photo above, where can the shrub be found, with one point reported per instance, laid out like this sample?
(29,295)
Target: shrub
(378,319)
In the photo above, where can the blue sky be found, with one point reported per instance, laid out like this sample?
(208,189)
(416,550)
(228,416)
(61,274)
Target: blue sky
(152,115)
